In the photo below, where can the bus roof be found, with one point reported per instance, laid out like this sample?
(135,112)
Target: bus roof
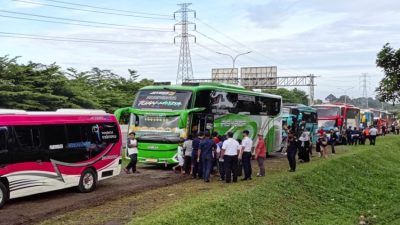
(209,86)
(341,105)
(58,112)
(301,107)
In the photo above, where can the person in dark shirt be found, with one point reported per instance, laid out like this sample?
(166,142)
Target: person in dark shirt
(348,135)
(205,155)
(333,140)
(355,135)
(197,170)
(291,152)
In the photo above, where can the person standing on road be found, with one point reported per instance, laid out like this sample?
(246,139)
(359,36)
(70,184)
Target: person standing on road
(261,155)
(304,139)
(197,170)
(383,130)
(230,151)
(332,140)
(355,135)
(291,152)
(372,135)
(285,134)
(132,153)
(205,154)
(397,128)
(348,134)
(221,166)
(324,144)
(187,149)
(245,155)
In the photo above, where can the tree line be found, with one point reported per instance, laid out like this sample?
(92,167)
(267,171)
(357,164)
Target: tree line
(39,87)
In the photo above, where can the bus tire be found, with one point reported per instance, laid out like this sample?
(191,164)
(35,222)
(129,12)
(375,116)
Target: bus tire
(3,194)
(88,181)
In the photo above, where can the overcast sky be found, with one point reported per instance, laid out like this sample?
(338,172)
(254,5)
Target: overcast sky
(335,40)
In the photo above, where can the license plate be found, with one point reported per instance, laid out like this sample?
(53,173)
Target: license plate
(151,160)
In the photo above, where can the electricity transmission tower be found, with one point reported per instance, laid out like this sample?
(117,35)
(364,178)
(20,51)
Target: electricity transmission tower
(364,88)
(185,70)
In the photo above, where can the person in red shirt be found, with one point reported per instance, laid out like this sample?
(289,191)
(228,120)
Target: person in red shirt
(261,154)
(321,131)
(215,137)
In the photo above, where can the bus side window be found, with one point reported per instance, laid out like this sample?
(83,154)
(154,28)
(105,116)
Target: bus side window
(28,137)
(3,139)
(3,145)
(77,143)
(29,143)
(270,106)
(54,142)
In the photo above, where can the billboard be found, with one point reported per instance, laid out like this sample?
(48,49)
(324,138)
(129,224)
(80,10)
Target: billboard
(225,75)
(259,77)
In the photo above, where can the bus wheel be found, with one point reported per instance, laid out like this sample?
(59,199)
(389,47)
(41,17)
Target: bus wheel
(3,194)
(88,181)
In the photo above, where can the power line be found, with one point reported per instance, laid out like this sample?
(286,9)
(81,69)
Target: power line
(77,24)
(70,39)
(243,45)
(93,11)
(218,42)
(109,9)
(216,30)
(88,21)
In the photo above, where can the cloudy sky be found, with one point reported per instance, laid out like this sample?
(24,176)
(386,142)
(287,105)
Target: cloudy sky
(335,40)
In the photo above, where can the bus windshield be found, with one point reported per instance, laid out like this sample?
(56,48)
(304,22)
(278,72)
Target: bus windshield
(162,99)
(328,111)
(152,124)
(352,113)
(310,117)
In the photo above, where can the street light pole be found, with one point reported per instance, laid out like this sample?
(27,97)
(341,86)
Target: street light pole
(233,58)
(345,93)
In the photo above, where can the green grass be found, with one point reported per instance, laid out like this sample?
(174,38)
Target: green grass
(363,180)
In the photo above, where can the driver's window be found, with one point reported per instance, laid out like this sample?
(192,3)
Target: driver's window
(3,139)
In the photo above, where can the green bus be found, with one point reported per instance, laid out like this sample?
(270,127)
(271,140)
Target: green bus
(297,113)
(163,115)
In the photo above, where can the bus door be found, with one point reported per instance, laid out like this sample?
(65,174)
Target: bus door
(202,122)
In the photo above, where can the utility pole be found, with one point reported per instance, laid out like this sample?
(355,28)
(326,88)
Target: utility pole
(185,70)
(364,88)
(233,58)
(311,99)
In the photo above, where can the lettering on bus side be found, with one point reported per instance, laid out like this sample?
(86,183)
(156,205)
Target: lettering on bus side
(229,123)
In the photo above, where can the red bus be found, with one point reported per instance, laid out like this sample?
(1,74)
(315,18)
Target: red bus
(383,118)
(341,116)
(46,151)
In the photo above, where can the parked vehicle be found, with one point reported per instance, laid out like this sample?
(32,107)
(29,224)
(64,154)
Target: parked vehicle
(340,116)
(163,115)
(46,151)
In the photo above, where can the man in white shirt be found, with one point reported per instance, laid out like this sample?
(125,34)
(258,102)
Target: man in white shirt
(372,135)
(230,151)
(132,153)
(245,155)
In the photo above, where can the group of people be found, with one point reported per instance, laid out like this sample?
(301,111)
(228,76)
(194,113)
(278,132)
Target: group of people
(223,156)
(205,154)
(358,136)
(299,141)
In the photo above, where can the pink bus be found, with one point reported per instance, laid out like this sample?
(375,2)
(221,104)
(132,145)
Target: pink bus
(46,151)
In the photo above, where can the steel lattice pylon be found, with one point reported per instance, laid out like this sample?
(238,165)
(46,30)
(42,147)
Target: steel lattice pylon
(185,70)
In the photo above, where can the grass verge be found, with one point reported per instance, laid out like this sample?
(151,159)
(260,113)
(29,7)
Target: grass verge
(365,180)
